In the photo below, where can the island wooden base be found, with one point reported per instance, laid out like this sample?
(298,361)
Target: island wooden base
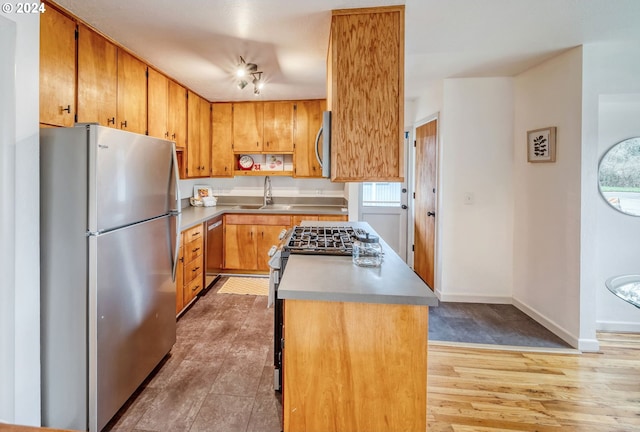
(354,367)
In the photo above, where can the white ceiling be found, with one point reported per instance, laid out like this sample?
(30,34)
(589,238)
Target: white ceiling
(198,42)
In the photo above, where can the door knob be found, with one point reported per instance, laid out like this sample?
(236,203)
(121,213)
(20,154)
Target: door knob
(431,214)
(404,207)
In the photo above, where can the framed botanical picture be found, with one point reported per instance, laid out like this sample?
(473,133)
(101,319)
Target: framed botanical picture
(541,145)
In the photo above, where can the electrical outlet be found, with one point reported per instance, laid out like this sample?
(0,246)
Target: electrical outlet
(468,198)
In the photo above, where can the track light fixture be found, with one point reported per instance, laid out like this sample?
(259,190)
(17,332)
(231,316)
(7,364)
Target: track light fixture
(246,71)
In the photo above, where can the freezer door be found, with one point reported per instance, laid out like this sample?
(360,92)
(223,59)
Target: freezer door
(132,323)
(130,178)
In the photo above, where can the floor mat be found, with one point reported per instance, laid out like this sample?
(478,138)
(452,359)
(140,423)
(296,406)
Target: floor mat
(245,285)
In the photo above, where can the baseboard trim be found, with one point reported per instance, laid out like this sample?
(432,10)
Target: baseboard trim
(618,326)
(582,344)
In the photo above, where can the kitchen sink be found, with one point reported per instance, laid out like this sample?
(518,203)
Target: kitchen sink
(248,207)
(276,207)
(263,207)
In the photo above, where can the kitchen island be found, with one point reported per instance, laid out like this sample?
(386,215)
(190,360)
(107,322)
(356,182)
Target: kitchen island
(355,344)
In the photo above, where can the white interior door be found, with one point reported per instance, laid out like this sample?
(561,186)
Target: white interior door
(384,207)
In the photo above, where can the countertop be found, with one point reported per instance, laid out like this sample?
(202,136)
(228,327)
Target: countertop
(192,216)
(337,278)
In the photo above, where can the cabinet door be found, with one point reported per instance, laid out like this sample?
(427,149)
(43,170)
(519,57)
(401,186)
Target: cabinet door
(194,167)
(205,138)
(222,140)
(132,93)
(247,127)
(366,91)
(57,68)
(97,78)
(308,120)
(278,126)
(193,135)
(157,104)
(240,247)
(267,236)
(177,114)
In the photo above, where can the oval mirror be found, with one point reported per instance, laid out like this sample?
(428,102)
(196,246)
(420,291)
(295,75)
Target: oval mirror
(619,176)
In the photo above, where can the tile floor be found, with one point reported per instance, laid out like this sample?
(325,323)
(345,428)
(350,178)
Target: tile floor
(496,324)
(217,378)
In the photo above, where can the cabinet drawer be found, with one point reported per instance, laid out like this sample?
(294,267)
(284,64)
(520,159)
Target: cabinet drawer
(192,289)
(192,233)
(193,249)
(192,270)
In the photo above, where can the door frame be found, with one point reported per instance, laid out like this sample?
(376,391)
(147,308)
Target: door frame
(411,184)
(404,245)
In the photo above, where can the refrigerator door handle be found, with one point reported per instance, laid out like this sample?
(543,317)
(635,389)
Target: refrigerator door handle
(319,134)
(176,247)
(176,178)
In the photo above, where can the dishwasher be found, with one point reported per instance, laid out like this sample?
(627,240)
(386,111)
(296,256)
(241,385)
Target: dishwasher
(214,251)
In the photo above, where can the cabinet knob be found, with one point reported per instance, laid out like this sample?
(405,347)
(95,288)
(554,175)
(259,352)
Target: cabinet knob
(123,124)
(173,136)
(112,121)
(166,134)
(67,109)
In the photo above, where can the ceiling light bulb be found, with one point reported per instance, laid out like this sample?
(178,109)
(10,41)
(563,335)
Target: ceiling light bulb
(241,72)
(260,85)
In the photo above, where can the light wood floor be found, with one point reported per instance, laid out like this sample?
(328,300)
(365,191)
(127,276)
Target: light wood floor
(487,390)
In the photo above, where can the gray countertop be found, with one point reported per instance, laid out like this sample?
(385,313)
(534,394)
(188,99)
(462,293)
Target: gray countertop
(337,278)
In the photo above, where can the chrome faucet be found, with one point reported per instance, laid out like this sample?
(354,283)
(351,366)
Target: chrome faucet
(268,193)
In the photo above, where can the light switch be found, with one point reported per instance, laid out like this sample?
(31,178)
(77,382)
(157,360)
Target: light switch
(468,198)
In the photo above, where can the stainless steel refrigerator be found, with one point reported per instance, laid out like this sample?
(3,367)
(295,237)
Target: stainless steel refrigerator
(109,225)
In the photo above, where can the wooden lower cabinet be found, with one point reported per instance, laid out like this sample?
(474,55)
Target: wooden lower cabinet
(297,219)
(340,375)
(190,272)
(248,238)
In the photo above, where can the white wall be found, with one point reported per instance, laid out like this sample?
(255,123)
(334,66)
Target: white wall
(617,234)
(547,210)
(476,158)
(19,220)
(610,240)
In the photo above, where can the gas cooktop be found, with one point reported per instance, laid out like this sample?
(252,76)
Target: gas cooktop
(333,240)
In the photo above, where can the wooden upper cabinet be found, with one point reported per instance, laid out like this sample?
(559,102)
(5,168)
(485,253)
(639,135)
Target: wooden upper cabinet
(198,136)
(247,127)
(278,126)
(205,137)
(177,114)
(97,78)
(57,69)
(308,120)
(222,140)
(366,94)
(157,105)
(132,93)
